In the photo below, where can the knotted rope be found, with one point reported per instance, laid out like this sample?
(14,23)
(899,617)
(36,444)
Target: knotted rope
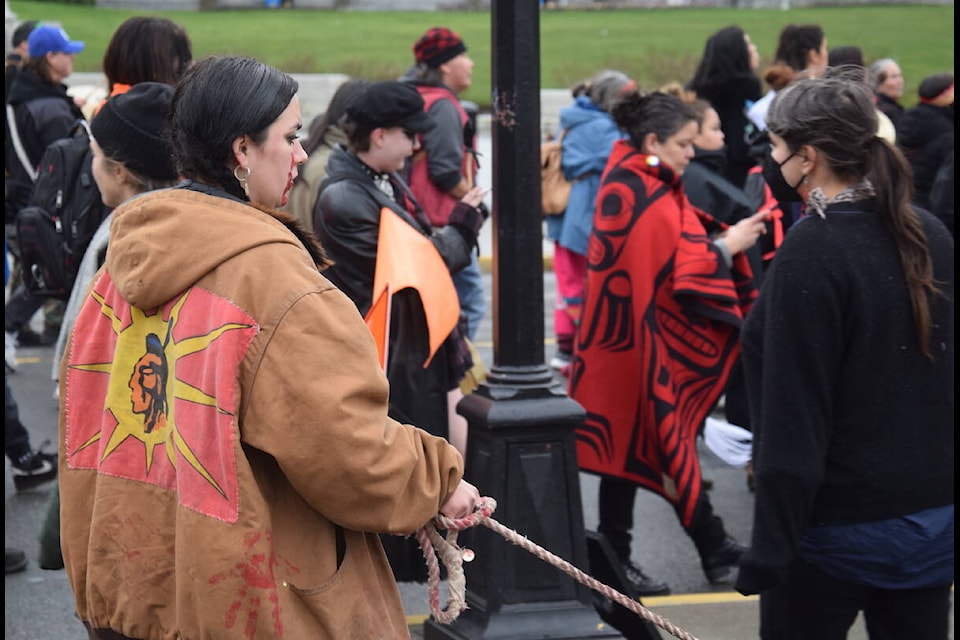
(433,544)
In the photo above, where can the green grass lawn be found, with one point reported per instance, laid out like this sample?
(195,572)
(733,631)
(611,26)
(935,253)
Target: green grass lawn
(654,46)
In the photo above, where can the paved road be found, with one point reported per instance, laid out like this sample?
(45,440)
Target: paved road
(38,604)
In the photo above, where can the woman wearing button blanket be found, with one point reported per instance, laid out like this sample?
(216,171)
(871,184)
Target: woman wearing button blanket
(667,289)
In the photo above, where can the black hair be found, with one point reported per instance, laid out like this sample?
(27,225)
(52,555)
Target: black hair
(22,32)
(358,135)
(725,58)
(837,116)
(147,49)
(219,99)
(687,96)
(658,113)
(840,56)
(796,40)
(320,126)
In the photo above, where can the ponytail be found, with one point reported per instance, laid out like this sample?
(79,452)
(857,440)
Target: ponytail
(892,179)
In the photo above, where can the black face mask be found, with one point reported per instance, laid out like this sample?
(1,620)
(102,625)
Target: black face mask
(781,189)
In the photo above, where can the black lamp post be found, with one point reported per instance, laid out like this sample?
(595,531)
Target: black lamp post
(521,448)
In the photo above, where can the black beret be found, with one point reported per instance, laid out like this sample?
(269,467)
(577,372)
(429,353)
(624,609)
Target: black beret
(389,103)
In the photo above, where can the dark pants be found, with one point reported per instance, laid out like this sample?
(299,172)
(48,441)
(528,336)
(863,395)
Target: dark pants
(812,605)
(615,503)
(16,440)
(736,409)
(20,308)
(616,518)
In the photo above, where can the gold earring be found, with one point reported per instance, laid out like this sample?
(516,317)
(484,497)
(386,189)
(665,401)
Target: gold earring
(244,180)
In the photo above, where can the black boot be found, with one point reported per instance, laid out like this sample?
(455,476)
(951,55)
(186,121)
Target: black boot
(720,559)
(616,522)
(719,551)
(643,584)
(16,560)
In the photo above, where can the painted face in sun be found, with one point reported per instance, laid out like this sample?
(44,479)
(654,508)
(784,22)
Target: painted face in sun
(148,385)
(151,395)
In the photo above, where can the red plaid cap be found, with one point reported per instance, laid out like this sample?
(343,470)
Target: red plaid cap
(438,45)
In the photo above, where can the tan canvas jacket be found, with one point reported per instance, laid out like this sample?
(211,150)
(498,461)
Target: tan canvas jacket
(225,441)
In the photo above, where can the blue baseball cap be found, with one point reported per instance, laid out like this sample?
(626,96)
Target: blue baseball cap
(48,38)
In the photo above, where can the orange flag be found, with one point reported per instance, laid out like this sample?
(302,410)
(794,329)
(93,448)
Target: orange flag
(407,259)
(378,321)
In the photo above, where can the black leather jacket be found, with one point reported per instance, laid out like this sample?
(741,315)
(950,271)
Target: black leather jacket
(347,222)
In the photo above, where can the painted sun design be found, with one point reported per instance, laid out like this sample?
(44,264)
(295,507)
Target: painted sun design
(166,379)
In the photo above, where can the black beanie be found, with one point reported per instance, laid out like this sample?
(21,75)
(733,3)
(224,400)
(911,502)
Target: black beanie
(131,128)
(933,85)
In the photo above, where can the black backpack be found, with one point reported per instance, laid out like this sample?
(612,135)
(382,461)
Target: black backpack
(63,213)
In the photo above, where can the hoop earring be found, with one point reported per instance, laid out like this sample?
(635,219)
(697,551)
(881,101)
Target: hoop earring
(243,180)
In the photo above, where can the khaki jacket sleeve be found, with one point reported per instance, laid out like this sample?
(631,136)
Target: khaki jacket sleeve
(318,405)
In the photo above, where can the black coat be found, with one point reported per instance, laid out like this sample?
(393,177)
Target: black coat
(891,108)
(730,99)
(347,223)
(346,220)
(708,190)
(925,135)
(44,113)
(941,195)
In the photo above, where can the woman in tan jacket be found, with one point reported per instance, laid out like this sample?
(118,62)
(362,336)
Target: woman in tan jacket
(226,456)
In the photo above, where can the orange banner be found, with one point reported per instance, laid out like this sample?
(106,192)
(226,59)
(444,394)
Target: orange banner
(407,259)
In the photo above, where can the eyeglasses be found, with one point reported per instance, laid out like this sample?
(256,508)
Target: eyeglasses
(410,135)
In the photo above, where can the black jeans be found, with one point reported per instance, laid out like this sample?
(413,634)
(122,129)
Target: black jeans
(812,605)
(615,504)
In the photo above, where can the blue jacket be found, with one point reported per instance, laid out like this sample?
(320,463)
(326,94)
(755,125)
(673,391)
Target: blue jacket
(590,135)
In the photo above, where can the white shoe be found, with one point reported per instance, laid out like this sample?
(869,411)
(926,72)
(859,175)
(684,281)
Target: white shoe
(560,360)
(10,350)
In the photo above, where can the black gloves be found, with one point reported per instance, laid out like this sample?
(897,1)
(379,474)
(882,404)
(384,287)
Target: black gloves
(484,211)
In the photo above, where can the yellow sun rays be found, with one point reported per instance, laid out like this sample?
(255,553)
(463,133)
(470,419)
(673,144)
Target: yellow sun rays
(127,357)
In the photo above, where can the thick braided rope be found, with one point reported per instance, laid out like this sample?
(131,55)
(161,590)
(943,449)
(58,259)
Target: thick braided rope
(452,557)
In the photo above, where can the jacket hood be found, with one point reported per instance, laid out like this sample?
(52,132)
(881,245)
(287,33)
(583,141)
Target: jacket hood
(590,134)
(164,241)
(581,111)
